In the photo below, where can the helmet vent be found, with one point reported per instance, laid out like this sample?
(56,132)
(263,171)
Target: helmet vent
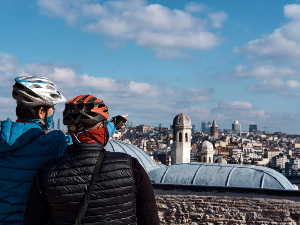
(37,86)
(54,95)
(50,87)
(27,99)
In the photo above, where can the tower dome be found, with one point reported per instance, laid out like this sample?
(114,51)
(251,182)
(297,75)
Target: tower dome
(206,152)
(207,147)
(182,120)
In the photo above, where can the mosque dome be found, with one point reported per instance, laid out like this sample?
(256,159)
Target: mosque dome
(182,120)
(221,175)
(139,154)
(207,147)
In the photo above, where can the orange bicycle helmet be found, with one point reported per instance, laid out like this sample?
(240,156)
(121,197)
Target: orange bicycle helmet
(84,110)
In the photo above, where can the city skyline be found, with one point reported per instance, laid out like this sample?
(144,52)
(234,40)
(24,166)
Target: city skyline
(155,59)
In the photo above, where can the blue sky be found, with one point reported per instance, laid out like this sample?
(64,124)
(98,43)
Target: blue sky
(233,60)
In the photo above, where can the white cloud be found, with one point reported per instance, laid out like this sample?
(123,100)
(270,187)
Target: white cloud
(201,40)
(226,112)
(218,18)
(292,11)
(235,105)
(276,85)
(262,72)
(8,67)
(293,84)
(194,7)
(149,25)
(166,53)
(139,99)
(94,10)
(259,114)
(68,10)
(7,62)
(145,103)
(283,43)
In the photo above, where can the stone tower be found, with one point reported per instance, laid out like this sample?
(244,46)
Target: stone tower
(181,149)
(214,130)
(206,152)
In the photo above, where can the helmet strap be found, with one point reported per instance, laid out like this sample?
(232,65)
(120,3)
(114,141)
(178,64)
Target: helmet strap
(46,118)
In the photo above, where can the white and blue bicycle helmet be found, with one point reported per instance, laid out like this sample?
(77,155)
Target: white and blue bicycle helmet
(34,91)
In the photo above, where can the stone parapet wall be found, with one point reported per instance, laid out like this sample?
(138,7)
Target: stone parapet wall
(222,209)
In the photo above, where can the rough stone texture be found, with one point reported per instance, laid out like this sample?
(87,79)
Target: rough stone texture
(213,209)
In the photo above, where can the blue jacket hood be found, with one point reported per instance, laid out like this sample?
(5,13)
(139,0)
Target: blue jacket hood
(11,134)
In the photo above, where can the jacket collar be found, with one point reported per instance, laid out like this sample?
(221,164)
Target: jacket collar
(83,147)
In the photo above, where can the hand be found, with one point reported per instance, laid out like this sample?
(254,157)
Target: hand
(119,121)
(124,116)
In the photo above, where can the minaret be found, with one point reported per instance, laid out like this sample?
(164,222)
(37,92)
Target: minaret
(214,130)
(207,152)
(181,148)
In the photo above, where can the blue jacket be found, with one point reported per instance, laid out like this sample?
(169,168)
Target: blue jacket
(23,149)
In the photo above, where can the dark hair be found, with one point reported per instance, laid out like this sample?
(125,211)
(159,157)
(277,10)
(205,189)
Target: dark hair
(24,112)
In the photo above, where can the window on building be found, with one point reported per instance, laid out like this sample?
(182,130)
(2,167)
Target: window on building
(186,137)
(180,137)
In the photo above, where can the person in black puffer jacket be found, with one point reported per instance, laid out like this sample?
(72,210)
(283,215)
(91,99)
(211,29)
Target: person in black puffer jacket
(122,192)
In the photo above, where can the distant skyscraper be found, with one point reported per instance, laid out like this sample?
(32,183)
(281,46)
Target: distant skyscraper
(193,128)
(214,129)
(208,126)
(236,126)
(58,124)
(132,124)
(53,125)
(203,125)
(252,128)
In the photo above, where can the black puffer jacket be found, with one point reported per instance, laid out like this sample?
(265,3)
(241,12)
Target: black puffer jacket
(61,185)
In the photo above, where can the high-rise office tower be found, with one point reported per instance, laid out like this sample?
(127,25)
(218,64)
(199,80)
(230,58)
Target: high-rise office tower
(236,126)
(52,125)
(58,124)
(203,125)
(252,128)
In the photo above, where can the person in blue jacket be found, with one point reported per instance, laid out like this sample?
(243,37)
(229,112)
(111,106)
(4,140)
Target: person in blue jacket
(25,145)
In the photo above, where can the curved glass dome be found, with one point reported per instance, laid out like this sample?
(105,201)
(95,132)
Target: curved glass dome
(139,154)
(222,175)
